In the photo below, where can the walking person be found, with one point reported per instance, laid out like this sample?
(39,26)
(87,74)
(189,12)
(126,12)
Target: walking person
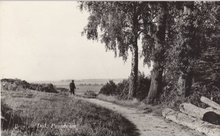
(72,87)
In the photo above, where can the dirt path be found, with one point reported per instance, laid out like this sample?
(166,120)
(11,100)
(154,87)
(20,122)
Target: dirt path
(147,124)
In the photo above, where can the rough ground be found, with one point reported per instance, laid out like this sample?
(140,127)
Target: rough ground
(148,124)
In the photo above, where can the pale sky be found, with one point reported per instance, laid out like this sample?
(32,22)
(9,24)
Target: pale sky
(41,40)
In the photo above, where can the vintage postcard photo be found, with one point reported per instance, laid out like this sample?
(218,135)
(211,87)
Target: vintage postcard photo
(110,68)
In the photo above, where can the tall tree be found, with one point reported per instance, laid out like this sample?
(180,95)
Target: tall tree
(196,23)
(154,45)
(121,25)
(190,31)
(183,25)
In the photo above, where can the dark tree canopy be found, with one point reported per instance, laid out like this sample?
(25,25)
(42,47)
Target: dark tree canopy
(193,28)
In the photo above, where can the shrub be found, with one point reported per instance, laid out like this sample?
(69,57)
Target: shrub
(43,88)
(143,86)
(20,85)
(209,90)
(109,88)
(122,88)
(14,84)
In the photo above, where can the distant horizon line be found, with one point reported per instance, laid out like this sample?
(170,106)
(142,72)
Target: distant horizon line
(76,79)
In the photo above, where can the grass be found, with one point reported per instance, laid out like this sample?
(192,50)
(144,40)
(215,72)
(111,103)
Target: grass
(82,89)
(48,114)
(114,99)
(133,103)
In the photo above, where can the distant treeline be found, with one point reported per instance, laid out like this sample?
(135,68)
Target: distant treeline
(90,84)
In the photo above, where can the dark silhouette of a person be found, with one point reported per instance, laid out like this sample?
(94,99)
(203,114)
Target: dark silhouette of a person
(72,87)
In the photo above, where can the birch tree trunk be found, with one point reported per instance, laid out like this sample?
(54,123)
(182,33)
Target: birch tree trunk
(156,73)
(134,72)
(134,64)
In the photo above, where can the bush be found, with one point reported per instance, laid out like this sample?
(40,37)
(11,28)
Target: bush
(109,88)
(43,88)
(122,88)
(206,78)
(19,85)
(14,84)
(209,90)
(143,86)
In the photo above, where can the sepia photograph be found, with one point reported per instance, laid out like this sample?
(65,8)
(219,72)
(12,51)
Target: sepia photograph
(110,68)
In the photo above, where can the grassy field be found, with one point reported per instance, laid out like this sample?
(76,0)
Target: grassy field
(49,114)
(81,89)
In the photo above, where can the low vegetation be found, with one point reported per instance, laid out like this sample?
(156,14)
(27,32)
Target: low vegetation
(17,85)
(208,88)
(116,100)
(8,117)
(118,93)
(50,114)
(109,88)
(90,94)
(121,89)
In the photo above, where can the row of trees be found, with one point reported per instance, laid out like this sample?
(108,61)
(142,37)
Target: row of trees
(172,33)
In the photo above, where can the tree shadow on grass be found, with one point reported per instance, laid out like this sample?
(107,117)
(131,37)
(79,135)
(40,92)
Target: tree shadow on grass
(9,119)
(106,121)
(131,129)
(115,122)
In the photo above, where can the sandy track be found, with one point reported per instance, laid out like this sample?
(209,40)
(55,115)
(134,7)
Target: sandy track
(147,124)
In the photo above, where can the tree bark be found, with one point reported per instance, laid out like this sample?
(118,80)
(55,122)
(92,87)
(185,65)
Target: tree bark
(156,83)
(192,110)
(195,111)
(185,84)
(134,48)
(156,74)
(134,72)
(210,102)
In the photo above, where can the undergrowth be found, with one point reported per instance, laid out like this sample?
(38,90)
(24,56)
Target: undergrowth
(121,89)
